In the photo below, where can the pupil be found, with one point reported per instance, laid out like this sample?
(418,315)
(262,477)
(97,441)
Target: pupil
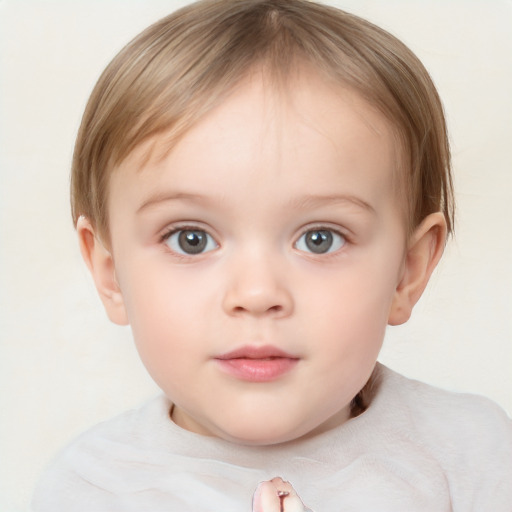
(192,242)
(319,242)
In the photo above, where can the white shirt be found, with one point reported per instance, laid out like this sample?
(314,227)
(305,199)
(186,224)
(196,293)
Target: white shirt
(415,449)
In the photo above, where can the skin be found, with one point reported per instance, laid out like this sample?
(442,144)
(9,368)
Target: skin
(255,175)
(276,495)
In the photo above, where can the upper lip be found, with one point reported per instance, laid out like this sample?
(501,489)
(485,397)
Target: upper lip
(256,352)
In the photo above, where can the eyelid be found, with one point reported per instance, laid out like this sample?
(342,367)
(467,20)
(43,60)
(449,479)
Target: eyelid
(326,226)
(169,231)
(343,233)
(184,226)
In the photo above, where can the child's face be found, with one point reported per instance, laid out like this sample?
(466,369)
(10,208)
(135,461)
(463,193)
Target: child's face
(258,262)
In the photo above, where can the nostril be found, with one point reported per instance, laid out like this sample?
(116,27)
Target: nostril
(272,309)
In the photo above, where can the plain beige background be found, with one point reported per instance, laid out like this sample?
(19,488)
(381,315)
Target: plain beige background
(63,367)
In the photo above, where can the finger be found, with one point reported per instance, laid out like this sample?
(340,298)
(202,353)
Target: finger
(277,495)
(266,499)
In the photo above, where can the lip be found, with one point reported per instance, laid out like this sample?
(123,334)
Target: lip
(257,364)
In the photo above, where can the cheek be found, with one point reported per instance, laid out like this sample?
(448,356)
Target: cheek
(163,313)
(355,296)
(159,296)
(354,320)
(351,308)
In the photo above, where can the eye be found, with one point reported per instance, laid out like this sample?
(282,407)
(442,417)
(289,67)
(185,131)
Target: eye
(190,241)
(320,241)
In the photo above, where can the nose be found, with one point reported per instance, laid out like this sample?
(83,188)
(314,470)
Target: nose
(257,287)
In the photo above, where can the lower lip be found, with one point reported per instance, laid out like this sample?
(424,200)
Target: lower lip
(257,370)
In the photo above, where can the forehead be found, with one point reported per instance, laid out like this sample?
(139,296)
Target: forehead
(319,132)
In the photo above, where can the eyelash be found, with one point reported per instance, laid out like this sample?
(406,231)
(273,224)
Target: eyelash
(323,228)
(345,239)
(167,235)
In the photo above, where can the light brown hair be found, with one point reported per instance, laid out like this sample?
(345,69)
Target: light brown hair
(185,64)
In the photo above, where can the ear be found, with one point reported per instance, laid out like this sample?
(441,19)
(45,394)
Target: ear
(424,251)
(101,265)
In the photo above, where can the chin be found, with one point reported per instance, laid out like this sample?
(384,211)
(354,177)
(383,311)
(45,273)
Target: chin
(261,433)
(259,439)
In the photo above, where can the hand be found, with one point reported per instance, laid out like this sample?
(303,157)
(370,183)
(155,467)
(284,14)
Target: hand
(277,495)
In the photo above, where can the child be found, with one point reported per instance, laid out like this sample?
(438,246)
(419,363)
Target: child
(259,188)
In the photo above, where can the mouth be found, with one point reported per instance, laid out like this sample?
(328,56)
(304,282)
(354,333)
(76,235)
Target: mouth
(257,364)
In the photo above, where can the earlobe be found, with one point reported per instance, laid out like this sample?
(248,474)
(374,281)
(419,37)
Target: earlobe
(424,251)
(101,265)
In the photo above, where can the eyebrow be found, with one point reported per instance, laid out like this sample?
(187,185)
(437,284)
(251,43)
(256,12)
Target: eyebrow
(301,203)
(164,197)
(317,201)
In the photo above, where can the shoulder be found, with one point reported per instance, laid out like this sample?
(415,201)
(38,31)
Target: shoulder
(92,468)
(445,413)
(468,435)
